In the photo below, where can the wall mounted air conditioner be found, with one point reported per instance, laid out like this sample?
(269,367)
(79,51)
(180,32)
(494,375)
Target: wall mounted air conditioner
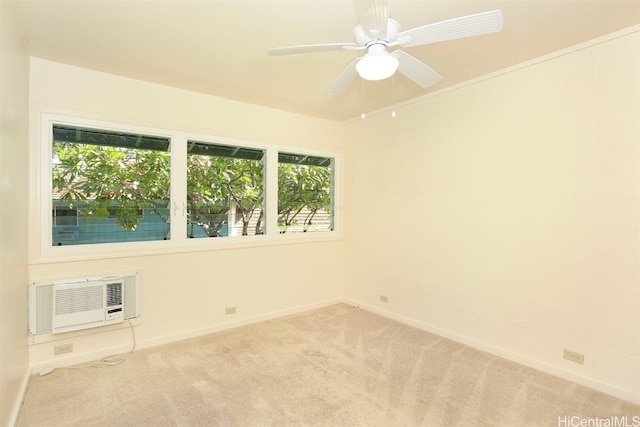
(75,304)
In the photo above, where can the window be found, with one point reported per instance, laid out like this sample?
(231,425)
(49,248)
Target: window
(225,190)
(305,193)
(115,185)
(108,186)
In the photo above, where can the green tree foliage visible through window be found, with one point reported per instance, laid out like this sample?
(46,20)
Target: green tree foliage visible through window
(305,193)
(97,177)
(115,187)
(223,180)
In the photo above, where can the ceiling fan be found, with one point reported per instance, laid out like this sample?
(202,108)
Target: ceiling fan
(377,32)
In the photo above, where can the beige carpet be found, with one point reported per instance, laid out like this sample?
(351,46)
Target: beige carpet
(335,366)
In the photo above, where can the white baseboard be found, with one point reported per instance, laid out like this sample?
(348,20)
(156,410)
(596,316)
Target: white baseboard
(613,390)
(593,383)
(166,339)
(13,418)
(77,359)
(82,357)
(122,349)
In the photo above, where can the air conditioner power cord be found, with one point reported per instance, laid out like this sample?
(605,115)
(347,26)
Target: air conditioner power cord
(105,362)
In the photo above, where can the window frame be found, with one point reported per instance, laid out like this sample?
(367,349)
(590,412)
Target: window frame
(332,186)
(40,238)
(217,143)
(102,131)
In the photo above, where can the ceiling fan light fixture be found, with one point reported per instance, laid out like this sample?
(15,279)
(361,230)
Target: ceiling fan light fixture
(377,66)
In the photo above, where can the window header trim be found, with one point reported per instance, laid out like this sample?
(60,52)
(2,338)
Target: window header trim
(79,135)
(303,159)
(218,150)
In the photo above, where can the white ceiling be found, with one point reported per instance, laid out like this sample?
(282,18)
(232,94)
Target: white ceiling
(218,46)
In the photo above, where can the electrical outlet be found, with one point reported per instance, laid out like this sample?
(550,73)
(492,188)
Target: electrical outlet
(384,298)
(230,310)
(574,356)
(62,349)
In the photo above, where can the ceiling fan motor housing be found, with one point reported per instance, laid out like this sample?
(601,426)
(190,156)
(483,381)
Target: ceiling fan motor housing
(366,39)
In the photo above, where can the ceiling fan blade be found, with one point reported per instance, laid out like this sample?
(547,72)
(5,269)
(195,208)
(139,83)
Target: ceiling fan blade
(465,26)
(344,79)
(416,70)
(311,48)
(373,15)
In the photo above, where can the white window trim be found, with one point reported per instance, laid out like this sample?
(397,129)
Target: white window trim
(40,238)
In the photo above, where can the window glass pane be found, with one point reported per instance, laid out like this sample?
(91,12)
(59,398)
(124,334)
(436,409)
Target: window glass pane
(225,190)
(108,186)
(305,193)
(64,216)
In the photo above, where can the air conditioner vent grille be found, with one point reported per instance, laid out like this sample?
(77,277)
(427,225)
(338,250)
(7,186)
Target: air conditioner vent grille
(78,299)
(114,294)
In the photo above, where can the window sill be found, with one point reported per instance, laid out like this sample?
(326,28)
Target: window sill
(141,249)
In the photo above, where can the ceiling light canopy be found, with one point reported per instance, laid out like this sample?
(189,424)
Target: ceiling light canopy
(377,64)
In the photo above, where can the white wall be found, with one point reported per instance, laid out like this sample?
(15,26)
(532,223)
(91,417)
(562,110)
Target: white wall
(506,213)
(184,294)
(14,91)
